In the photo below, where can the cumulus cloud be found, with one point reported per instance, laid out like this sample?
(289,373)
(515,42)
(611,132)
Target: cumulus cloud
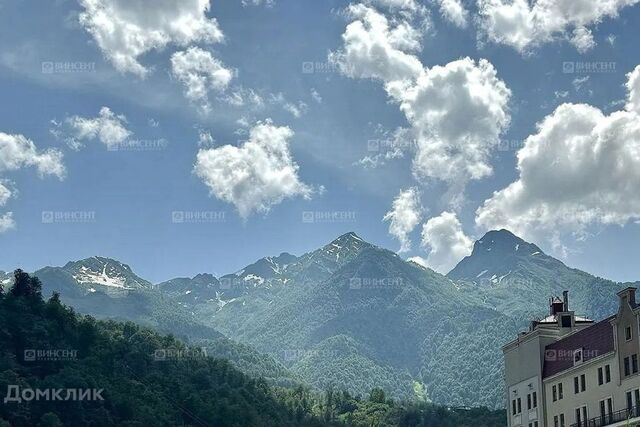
(525,24)
(256,175)
(454,12)
(375,48)
(124,30)
(633,89)
(16,151)
(200,73)
(456,111)
(447,244)
(404,216)
(108,127)
(581,168)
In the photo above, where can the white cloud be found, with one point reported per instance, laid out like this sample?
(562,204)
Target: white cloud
(633,88)
(375,48)
(404,216)
(456,111)
(205,139)
(419,260)
(447,244)
(108,128)
(6,222)
(297,110)
(316,96)
(5,192)
(525,24)
(579,82)
(396,4)
(454,12)
(126,29)
(255,176)
(200,73)
(16,151)
(241,97)
(267,3)
(583,39)
(581,168)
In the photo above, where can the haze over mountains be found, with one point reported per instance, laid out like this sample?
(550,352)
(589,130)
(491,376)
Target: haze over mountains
(351,314)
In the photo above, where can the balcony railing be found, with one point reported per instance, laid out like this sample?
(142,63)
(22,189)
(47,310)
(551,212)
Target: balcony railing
(612,418)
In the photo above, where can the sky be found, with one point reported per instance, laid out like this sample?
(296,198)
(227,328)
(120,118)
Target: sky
(193,136)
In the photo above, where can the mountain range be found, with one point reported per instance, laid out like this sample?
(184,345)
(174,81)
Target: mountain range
(350,314)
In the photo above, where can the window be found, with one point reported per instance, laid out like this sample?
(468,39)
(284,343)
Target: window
(561,420)
(535,399)
(600,376)
(555,421)
(576,386)
(565,321)
(633,398)
(577,357)
(554,391)
(528,401)
(627,370)
(581,415)
(559,391)
(606,409)
(634,363)
(627,333)
(607,373)
(583,382)
(519,405)
(513,407)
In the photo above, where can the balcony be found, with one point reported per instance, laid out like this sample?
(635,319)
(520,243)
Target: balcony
(613,418)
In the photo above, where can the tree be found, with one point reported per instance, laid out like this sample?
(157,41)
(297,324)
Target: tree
(377,396)
(25,285)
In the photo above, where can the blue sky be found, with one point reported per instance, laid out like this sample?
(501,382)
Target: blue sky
(121,200)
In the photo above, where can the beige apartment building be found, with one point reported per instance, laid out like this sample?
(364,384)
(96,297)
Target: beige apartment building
(569,371)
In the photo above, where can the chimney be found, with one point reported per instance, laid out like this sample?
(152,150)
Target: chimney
(565,298)
(555,306)
(628,296)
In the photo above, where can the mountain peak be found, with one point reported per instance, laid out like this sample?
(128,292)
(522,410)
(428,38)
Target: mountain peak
(105,272)
(502,242)
(495,255)
(348,237)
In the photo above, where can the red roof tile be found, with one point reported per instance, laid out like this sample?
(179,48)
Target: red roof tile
(595,341)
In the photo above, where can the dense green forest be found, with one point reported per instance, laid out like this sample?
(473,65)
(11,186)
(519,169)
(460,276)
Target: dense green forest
(61,369)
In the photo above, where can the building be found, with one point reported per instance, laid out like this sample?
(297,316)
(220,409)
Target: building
(569,371)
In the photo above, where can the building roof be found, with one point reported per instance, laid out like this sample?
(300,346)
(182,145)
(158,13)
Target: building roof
(594,341)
